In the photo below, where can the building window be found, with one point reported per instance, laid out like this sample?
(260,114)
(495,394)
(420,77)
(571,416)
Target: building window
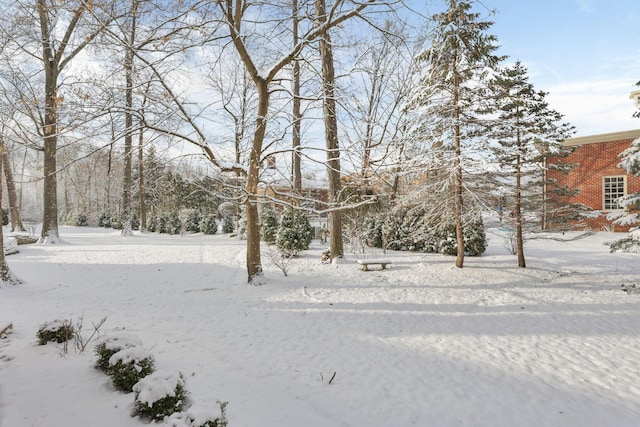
(614,187)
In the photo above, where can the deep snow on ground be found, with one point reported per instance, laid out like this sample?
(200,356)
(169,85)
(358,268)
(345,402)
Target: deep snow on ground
(419,344)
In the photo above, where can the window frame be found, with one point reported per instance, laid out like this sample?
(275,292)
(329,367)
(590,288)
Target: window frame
(609,203)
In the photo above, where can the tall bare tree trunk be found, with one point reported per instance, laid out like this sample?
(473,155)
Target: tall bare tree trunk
(6,277)
(518,212)
(141,187)
(254,262)
(458,177)
(16,220)
(297,115)
(331,135)
(128,118)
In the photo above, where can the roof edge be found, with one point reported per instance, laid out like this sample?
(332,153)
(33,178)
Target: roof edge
(603,137)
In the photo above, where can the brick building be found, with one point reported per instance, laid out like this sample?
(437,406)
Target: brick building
(597,174)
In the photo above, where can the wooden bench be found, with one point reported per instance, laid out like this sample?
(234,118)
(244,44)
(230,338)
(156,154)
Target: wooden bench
(365,263)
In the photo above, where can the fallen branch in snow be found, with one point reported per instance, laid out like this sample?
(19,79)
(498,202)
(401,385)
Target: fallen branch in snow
(562,239)
(6,330)
(332,377)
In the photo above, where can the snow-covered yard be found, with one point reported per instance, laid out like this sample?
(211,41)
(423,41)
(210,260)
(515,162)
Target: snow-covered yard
(419,344)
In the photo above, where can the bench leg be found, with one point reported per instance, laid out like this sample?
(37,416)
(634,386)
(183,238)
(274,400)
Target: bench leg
(364,267)
(383,266)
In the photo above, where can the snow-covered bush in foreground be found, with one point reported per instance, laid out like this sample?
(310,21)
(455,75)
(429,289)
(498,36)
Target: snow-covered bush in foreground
(128,366)
(110,345)
(159,395)
(57,330)
(199,417)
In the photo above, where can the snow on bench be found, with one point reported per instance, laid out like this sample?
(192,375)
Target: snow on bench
(365,263)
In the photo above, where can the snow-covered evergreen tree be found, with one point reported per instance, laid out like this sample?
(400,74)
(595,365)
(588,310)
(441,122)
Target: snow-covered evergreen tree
(450,102)
(630,215)
(294,232)
(268,223)
(527,131)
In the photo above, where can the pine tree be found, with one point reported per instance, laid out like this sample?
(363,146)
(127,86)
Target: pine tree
(527,131)
(450,101)
(630,215)
(294,233)
(268,223)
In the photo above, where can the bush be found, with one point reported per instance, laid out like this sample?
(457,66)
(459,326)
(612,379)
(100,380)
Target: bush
(58,330)
(174,225)
(128,366)
(152,224)
(159,395)
(104,220)
(135,222)
(108,346)
(199,417)
(192,221)
(373,231)
(228,225)
(209,224)
(80,220)
(268,223)
(162,224)
(294,233)
(116,222)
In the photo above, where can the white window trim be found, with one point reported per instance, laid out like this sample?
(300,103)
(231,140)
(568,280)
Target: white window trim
(624,180)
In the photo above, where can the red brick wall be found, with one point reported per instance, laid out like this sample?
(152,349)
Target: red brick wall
(595,161)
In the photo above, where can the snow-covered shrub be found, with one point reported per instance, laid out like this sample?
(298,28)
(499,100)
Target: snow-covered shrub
(162,224)
(294,232)
(5,216)
(268,223)
(174,225)
(116,222)
(152,224)
(159,395)
(199,417)
(110,345)
(372,230)
(393,235)
(209,224)
(444,240)
(135,222)
(104,220)
(128,366)
(228,225)
(57,330)
(192,221)
(475,238)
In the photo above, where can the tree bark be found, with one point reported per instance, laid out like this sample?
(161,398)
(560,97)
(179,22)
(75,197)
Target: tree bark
(518,212)
(16,219)
(141,186)
(331,135)
(254,263)
(6,277)
(297,115)
(458,176)
(128,118)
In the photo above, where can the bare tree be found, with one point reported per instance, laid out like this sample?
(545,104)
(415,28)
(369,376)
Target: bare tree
(236,15)
(6,276)
(64,30)
(16,219)
(331,133)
